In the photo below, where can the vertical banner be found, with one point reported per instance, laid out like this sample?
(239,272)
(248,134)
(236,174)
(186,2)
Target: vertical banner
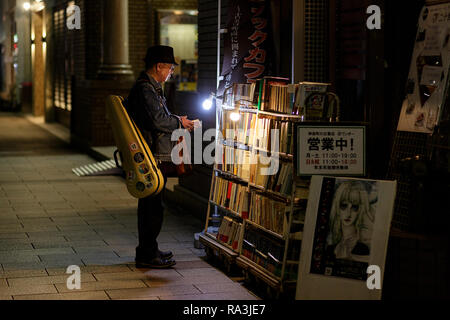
(428,77)
(247,43)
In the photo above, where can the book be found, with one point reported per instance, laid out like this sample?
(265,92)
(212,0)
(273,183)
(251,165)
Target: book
(262,250)
(265,90)
(267,213)
(313,111)
(229,232)
(232,196)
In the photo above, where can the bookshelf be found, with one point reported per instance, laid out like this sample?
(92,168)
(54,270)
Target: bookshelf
(256,221)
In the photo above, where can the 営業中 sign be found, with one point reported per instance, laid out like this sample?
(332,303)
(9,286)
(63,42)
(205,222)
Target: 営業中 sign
(331,150)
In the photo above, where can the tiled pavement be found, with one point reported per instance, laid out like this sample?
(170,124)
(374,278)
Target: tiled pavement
(50,219)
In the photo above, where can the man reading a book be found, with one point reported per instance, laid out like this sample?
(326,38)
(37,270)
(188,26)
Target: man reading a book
(147,106)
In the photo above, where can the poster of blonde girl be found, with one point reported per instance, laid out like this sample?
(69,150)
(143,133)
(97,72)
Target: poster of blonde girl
(346,231)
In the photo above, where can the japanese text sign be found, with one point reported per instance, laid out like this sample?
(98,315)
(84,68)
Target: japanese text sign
(331,151)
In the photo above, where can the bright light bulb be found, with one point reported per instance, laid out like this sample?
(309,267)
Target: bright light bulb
(207,104)
(27,6)
(235,116)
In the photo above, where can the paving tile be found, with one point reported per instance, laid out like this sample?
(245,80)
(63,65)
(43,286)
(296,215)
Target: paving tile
(35,220)
(96,249)
(152,292)
(48,244)
(8,211)
(12,229)
(6,258)
(211,297)
(208,278)
(85,244)
(47,251)
(186,258)
(150,275)
(108,261)
(198,271)
(59,279)
(37,240)
(121,276)
(74,256)
(220,287)
(74,237)
(22,266)
(104,285)
(121,241)
(94,295)
(83,227)
(15,246)
(26,289)
(192,265)
(11,274)
(95,269)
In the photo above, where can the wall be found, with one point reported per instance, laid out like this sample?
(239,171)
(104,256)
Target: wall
(139,26)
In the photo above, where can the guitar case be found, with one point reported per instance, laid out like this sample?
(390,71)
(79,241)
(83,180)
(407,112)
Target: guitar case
(143,177)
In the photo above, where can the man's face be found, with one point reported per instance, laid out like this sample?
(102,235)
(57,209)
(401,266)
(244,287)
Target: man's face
(165,70)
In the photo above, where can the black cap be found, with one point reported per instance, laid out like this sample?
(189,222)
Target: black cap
(159,54)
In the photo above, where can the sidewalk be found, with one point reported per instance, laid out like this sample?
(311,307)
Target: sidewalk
(51,219)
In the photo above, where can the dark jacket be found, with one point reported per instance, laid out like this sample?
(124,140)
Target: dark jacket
(147,106)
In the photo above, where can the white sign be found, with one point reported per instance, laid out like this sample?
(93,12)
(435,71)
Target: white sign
(345,238)
(331,151)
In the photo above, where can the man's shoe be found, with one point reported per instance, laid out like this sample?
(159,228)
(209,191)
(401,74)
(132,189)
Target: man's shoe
(165,254)
(155,263)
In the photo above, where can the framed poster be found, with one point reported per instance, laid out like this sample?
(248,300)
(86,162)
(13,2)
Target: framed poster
(331,150)
(428,75)
(346,230)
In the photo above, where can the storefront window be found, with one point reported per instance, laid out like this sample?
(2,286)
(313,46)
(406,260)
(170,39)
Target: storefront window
(179,29)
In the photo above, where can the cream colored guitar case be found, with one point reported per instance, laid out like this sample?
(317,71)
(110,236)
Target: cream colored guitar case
(143,177)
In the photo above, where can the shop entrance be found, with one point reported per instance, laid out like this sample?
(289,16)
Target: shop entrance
(179,29)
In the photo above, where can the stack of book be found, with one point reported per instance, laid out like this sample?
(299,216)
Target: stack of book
(264,135)
(272,174)
(241,131)
(268,253)
(229,232)
(282,181)
(236,162)
(263,251)
(271,92)
(268,213)
(231,196)
(243,95)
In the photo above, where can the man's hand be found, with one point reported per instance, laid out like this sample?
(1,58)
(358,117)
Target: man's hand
(187,124)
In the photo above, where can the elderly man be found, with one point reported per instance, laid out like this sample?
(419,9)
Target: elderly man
(147,106)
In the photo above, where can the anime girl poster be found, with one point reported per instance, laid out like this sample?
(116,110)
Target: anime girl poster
(346,230)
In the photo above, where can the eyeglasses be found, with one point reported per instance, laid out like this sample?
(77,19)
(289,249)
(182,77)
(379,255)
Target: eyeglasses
(171,66)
